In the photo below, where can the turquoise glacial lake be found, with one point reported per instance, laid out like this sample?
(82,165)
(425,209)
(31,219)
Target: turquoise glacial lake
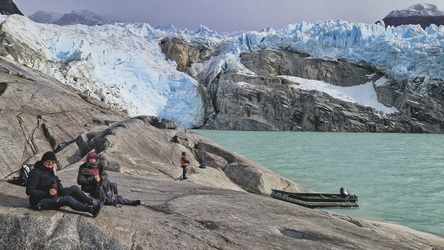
(398,178)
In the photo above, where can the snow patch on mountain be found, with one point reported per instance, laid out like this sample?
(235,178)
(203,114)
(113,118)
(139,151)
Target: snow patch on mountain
(364,94)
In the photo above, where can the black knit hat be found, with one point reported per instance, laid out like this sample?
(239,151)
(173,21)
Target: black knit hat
(49,156)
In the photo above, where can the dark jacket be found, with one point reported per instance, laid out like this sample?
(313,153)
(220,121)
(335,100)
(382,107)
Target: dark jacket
(40,180)
(86,179)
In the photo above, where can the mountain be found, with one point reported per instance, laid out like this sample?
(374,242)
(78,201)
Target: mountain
(422,14)
(8,7)
(81,17)
(418,10)
(45,16)
(327,76)
(84,17)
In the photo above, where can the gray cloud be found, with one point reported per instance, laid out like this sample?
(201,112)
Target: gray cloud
(227,15)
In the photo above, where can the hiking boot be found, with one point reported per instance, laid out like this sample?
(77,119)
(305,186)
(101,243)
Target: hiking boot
(135,203)
(185,178)
(95,210)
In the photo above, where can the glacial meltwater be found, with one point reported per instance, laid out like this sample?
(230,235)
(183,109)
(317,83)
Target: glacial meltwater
(398,178)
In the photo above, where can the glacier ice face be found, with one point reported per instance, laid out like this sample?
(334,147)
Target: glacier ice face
(410,47)
(123,64)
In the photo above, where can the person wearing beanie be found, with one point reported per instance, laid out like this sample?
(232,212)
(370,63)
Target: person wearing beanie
(184,165)
(91,179)
(91,174)
(46,191)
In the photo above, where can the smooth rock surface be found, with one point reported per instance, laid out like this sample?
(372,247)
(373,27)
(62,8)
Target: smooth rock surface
(216,208)
(185,215)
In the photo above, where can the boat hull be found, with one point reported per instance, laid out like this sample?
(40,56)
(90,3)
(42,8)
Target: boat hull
(315,200)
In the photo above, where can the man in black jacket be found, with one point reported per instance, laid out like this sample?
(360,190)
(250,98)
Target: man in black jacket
(47,193)
(184,165)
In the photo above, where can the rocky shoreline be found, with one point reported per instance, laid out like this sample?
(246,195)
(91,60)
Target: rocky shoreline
(224,206)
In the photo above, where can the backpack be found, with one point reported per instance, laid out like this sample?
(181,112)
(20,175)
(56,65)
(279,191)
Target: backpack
(108,194)
(22,179)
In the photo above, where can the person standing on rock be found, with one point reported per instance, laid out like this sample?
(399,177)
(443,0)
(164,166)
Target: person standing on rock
(184,165)
(47,193)
(92,177)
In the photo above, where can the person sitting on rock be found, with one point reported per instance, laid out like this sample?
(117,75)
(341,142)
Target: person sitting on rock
(46,192)
(91,178)
(184,164)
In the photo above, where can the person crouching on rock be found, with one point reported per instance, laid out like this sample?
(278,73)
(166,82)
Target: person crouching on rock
(47,193)
(184,165)
(92,177)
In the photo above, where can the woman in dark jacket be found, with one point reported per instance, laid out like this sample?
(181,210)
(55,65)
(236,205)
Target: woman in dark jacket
(47,192)
(91,175)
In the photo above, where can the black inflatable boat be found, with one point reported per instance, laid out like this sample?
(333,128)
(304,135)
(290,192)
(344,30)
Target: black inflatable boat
(313,200)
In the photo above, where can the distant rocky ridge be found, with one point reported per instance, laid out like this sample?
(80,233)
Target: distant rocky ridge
(84,17)
(422,14)
(424,21)
(45,16)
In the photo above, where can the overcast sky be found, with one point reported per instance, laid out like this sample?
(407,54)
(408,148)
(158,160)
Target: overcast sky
(227,15)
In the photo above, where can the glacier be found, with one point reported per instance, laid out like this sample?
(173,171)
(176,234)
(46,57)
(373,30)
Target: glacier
(122,63)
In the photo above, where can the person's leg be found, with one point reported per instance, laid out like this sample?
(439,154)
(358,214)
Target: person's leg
(184,172)
(114,185)
(53,204)
(79,200)
(78,194)
(124,201)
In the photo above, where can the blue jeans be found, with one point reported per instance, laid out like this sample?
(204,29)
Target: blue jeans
(120,199)
(73,197)
(184,171)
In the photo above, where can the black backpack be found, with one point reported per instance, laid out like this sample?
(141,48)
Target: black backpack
(22,179)
(108,194)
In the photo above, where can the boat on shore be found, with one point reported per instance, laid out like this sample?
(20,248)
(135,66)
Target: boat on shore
(315,200)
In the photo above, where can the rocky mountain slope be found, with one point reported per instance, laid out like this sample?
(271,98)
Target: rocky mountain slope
(8,7)
(210,210)
(264,100)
